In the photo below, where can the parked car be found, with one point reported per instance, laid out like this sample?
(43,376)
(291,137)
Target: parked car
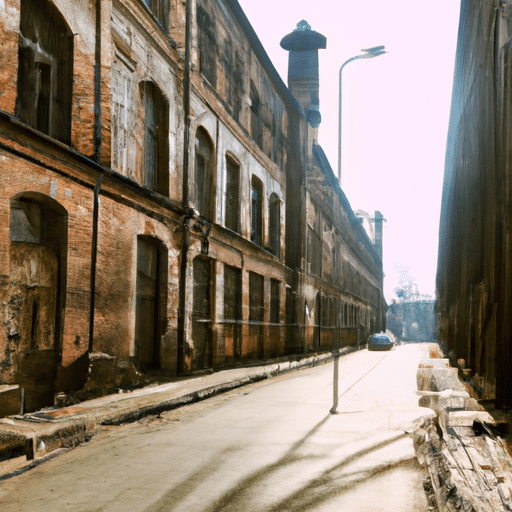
(380,342)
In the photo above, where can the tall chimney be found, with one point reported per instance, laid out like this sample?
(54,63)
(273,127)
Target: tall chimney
(303,45)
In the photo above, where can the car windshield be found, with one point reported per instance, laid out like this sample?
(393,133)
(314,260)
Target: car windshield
(380,339)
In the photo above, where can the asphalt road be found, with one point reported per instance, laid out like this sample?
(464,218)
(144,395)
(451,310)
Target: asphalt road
(270,446)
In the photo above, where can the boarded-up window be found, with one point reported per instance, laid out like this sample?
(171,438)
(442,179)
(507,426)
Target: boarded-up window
(275,303)
(205,192)
(45,70)
(255,298)
(156,139)
(160,8)
(233,307)
(232,212)
(201,314)
(123,117)
(274,225)
(256,211)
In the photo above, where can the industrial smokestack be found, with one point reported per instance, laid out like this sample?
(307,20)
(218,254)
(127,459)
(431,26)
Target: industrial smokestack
(303,45)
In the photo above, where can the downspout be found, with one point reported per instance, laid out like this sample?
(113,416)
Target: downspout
(185,242)
(96,157)
(94,254)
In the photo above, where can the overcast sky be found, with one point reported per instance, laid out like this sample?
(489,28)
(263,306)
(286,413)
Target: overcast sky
(395,110)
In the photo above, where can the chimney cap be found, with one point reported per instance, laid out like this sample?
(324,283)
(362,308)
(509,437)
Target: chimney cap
(303,38)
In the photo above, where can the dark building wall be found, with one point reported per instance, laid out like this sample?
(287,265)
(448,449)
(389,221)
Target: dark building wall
(473,279)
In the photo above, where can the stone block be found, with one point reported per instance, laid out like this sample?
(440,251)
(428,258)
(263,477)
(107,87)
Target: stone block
(444,400)
(438,379)
(435,363)
(11,400)
(466,418)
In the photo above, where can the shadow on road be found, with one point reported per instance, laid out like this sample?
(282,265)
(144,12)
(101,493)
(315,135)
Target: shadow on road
(330,483)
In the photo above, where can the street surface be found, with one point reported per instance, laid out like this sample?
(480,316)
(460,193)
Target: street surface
(270,446)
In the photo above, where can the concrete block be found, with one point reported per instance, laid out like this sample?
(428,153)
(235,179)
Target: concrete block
(441,401)
(466,418)
(438,379)
(435,363)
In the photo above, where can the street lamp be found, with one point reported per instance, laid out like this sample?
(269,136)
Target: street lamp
(370,53)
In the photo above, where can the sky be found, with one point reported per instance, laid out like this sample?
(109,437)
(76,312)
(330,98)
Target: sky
(394,114)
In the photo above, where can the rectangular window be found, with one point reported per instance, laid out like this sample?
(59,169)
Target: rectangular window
(156,139)
(256,308)
(232,293)
(232,220)
(150,141)
(123,118)
(256,211)
(233,307)
(207,45)
(274,225)
(275,304)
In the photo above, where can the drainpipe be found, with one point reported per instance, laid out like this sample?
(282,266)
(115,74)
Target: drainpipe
(96,158)
(185,242)
(94,257)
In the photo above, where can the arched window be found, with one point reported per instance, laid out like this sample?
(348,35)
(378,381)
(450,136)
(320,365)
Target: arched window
(274,225)
(45,70)
(256,210)
(232,208)
(156,139)
(204,160)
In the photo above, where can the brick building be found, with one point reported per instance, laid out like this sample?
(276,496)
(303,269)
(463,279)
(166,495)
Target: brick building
(165,206)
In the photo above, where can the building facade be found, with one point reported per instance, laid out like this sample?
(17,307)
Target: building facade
(165,207)
(474,279)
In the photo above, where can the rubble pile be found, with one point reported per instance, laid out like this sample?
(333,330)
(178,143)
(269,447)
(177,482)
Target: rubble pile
(468,465)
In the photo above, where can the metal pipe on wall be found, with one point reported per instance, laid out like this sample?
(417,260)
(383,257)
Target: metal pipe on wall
(97,158)
(186,162)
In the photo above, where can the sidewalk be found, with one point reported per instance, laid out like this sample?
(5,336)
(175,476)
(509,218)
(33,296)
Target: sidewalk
(28,440)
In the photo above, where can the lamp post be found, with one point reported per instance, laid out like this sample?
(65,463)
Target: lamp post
(370,53)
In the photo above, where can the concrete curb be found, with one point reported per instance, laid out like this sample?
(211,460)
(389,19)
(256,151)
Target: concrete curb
(25,441)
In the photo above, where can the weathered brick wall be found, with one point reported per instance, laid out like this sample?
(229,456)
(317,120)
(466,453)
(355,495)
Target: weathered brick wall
(20,177)
(119,226)
(9,28)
